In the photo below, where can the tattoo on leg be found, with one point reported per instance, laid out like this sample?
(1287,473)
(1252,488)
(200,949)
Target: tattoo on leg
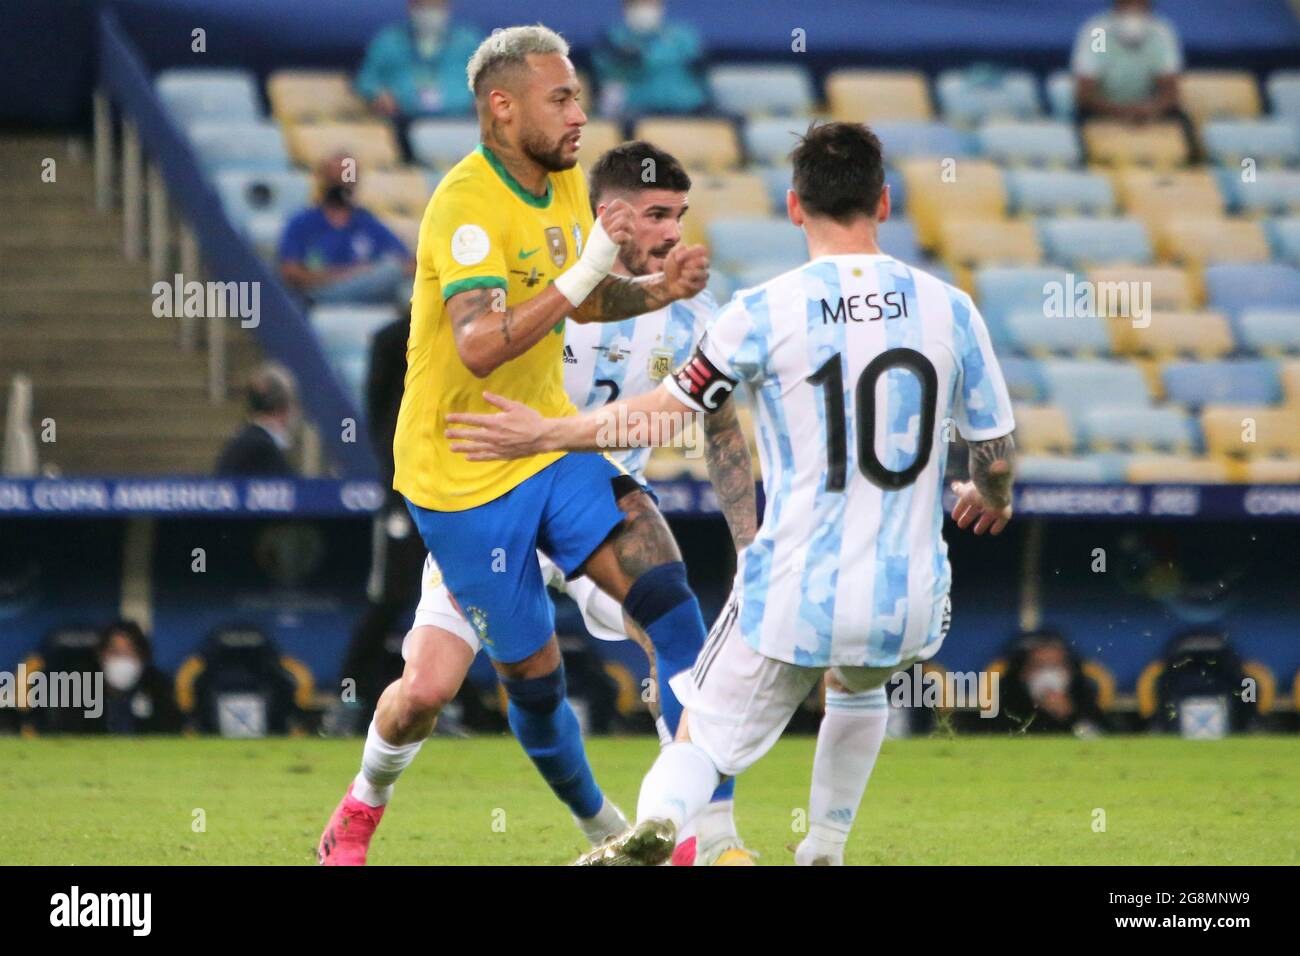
(644,540)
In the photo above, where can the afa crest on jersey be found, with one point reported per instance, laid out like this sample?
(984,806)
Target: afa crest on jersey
(661,363)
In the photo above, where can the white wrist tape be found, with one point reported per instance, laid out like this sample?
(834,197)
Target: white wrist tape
(585,274)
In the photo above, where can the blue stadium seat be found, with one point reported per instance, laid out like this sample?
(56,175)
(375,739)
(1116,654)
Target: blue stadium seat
(1060,94)
(897,237)
(1138,429)
(254,145)
(442,143)
(777,181)
(245,194)
(721,285)
(770,141)
(1284,234)
(1037,192)
(1265,141)
(1233,288)
(897,191)
(1077,385)
(744,241)
(761,88)
(1284,93)
(900,139)
(1036,143)
(193,95)
(1270,331)
(1024,378)
(1273,191)
(760,272)
(264,230)
(968,97)
(1031,332)
(1083,242)
(1091,469)
(1239,382)
(345,330)
(1001,291)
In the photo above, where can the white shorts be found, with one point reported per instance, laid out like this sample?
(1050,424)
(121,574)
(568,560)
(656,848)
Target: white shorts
(601,613)
(738,702)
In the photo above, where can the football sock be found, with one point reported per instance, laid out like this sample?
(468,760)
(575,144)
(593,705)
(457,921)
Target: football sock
(678,785)
(548,729)
(715,824)
(381,764)
(848,743)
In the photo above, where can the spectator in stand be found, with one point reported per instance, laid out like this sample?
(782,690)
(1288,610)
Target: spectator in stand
(646,65)
(339,252)
(417,68)
(260,449)
(138,697)
(1044,690)
(1126,65)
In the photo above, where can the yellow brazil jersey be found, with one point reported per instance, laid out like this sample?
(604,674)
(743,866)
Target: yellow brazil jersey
(482,230)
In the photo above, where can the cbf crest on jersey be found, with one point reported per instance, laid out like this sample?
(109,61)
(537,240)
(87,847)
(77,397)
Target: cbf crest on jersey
(661,363)
(555,242)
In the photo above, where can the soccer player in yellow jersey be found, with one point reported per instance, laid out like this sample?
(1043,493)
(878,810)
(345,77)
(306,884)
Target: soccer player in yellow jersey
(508,250)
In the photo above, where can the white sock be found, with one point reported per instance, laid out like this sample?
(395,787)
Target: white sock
(608,821)
(678,786)
(715,824)
(381,765)
(848,743)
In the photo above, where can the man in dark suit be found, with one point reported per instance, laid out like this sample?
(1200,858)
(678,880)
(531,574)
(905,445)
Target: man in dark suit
(260,449)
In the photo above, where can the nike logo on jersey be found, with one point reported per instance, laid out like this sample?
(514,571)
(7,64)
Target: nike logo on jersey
(525,255)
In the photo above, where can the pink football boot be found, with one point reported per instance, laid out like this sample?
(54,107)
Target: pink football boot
(347,836)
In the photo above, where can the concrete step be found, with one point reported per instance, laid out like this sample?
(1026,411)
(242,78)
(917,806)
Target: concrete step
(131,462)
(60,372)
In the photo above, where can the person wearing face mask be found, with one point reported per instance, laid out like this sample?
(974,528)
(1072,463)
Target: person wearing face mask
(1044,690)
(337,251)
(138,697)
(417,68)
(647,64)
(260,449)
(1126,64)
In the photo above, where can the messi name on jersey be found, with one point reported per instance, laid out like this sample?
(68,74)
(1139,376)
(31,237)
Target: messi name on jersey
(865,308)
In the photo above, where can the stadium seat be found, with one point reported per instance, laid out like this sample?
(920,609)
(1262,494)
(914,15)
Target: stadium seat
(1199,241)
(1171,288)
(246,193)
(1077,385)
(1111,428)
(598,137)
(1121,144)
(1038,192)
(1203,335)
(1271,332)
(1284,94)
(1218,94)
(1289,372)
(310,96)
(1271,192)
(769,142)
(347,329)
(755,274)
(202,95)
(1056,468)
(1024,378)
(757,89)
(1060,94)
(874,96)
(1033,333)
(737,242)
(1272,471)
(264,231)
(1164,469)
(967,189)
(970,96)
(723,195)
(1240,381)
(1233,288)
(442,143)
(709,144)
(1155,196)
(901,139)
(968,243)
(1037,143)
(372,144)
(404,191)
(1285,235)
(897,237)
(406,228)
(720,286)
(1043,429)
(1267,142)
(1251,431)
(1084,242)
(1002,291)
(247,145)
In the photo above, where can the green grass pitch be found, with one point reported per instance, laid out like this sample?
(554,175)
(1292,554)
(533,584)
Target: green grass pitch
(937,800)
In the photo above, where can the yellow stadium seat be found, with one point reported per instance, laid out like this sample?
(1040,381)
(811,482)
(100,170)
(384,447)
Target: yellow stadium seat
(1290,372)
(970,243)
(1204,335)
(1272,471)
(1219,94)
(1122,144)
(1251,431)
(313,96)
(873,96)
(1156,196)
(372,144)
(730,194)
(585,92)
(968,189)
(406,228)
(1205,241)
(403,191)
(709,144)
(1043,429)
(598,136)
(1163,468)
(1171,288)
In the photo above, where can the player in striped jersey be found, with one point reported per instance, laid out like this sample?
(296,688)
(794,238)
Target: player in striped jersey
(857,363)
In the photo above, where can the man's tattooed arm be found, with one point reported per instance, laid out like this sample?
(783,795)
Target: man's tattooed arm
(732,472)
(619,297)
(488,333)
(992,469)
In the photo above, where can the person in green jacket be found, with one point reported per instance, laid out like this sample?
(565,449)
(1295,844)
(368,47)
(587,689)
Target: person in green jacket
(417,68)
(648,65)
